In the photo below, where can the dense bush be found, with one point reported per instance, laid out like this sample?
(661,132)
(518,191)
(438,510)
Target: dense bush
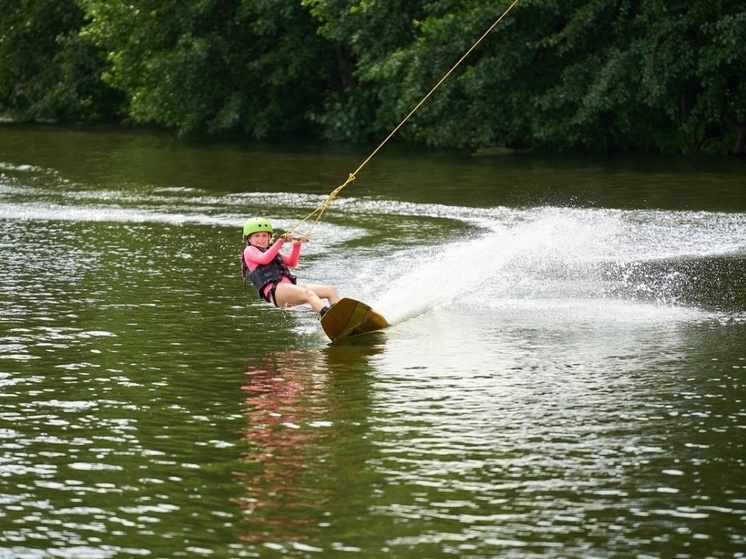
(598,75)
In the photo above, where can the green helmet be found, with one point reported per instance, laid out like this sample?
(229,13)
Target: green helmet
(255,225)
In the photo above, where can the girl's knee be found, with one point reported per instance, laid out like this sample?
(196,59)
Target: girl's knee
(332,295)
(305,293)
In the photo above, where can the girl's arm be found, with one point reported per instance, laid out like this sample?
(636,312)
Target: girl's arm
(255,257)
(291,260)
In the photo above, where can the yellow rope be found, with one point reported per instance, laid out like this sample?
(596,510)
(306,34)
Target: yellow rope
(319,211)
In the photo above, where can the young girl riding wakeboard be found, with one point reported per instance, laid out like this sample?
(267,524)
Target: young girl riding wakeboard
(269,270)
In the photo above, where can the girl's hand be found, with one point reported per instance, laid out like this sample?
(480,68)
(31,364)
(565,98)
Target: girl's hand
(294,238)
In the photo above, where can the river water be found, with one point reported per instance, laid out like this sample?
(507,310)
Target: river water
(565,375)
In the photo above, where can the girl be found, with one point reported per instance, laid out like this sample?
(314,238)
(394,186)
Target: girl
(268,270)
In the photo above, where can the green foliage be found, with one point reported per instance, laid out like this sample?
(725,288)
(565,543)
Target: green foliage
(47,71)
(600,75)
(215,65)
(367,36)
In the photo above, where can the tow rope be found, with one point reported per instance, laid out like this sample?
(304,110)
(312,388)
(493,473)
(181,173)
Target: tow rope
(318,213)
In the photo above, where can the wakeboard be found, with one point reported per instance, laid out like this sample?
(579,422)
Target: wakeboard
(349,317)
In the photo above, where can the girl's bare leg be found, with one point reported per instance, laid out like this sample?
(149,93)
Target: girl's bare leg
(301,294)
(324,292)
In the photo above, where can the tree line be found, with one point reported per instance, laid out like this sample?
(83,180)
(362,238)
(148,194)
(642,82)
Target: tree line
(655,76)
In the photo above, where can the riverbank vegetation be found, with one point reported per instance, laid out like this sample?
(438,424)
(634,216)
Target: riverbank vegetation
(657,76)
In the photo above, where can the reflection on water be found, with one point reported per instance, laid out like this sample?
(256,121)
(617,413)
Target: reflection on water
(299,406)
(564,376)
(285,423)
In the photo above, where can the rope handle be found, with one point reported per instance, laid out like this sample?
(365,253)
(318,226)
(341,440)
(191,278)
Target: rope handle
(289,237)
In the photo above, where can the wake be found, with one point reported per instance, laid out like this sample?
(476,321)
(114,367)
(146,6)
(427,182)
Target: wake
(559,257)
